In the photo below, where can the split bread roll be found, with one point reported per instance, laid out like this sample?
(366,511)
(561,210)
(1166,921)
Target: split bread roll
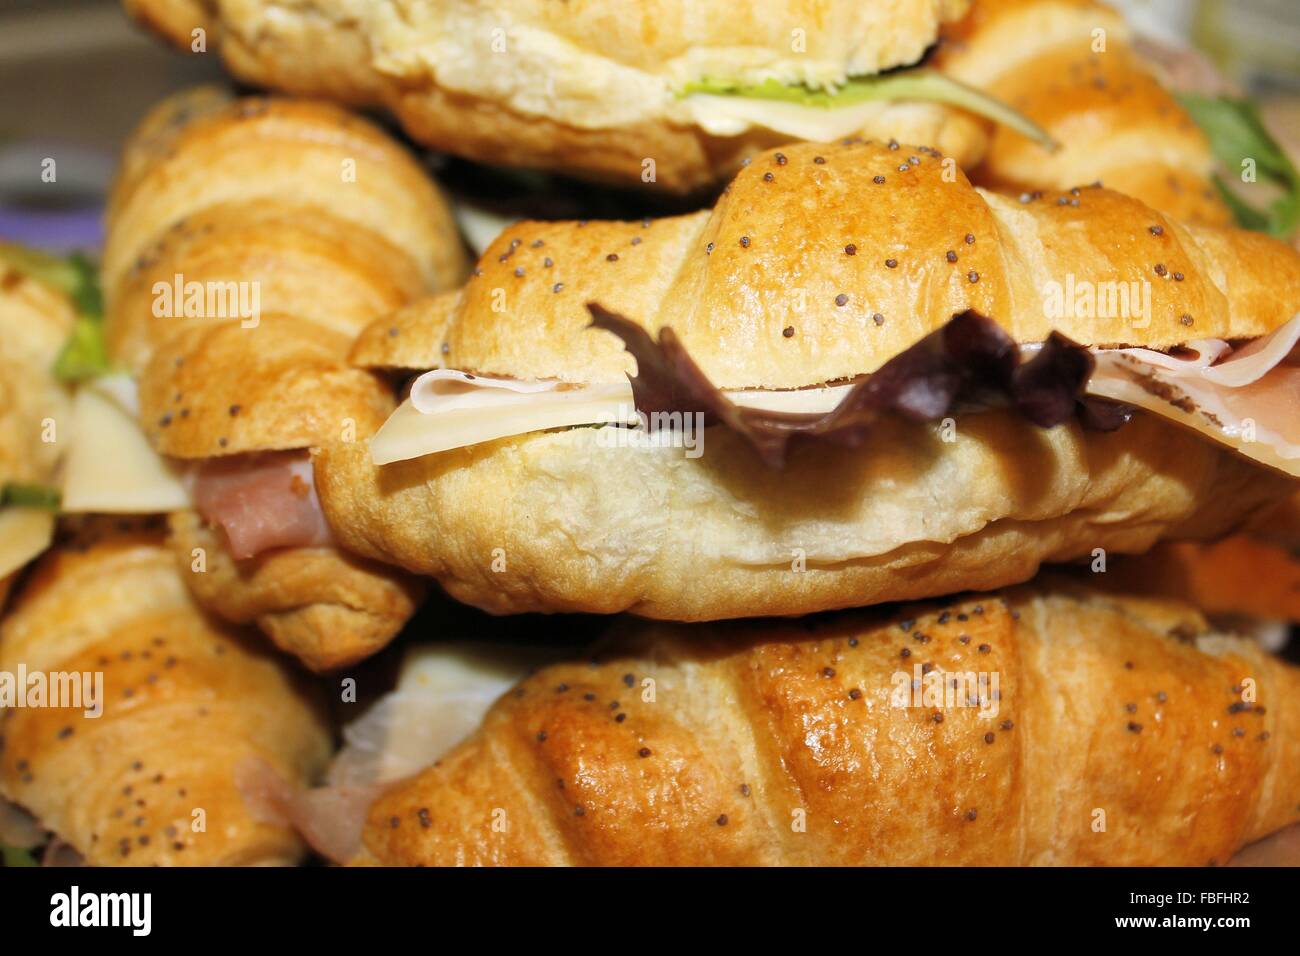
(35,321)
(589,89)
(763,295)
(315,222)
(1069,65)
(1107,731)
(186,701)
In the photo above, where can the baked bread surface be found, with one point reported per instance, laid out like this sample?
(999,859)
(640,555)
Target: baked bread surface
(1116,734)
(124,788)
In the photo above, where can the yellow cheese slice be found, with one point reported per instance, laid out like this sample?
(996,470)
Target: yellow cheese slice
(733,115)
(111,468)
(443,692)
(24,534)
(410,433)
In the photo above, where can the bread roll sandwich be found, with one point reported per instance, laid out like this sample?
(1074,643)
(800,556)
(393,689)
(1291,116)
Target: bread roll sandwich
(148,711)
(249,241)
(672,94)
(36,317)
(1047,725)
(1070,66)
(865,445)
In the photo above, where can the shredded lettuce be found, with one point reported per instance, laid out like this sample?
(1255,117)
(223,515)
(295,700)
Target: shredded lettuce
(30,496)
(1237,133)
(917,84)
(85,354)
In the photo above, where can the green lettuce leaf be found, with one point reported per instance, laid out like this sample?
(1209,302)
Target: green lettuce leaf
(917,84)
(85,354)
(1237,133)
(29,496)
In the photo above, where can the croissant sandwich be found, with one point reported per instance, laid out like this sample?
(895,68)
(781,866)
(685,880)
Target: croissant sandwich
(148,711)
(1071,67)
(249,241)
(671,94)
(1043,725)
(906,394)
(36,317)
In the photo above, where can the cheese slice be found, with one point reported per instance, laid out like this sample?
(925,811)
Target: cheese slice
(490,409)
(111,468)
(450,409)
(443,692)
(733,115)
(480,227)
(24,534)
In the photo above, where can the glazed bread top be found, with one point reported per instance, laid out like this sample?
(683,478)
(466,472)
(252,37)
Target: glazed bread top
(1070,66)
(821,262)
(199,149)
(312,218)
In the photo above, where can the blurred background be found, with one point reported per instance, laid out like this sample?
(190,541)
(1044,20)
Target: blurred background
(76,75)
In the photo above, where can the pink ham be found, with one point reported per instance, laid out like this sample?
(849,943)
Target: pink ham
(1246,397)
(329,819)
(261,502)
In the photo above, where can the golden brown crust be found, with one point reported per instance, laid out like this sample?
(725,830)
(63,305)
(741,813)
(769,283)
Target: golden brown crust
(782,745)
(589,92)
(733,281)
(409,339)
(311,223)
(35,408)
(127,787)
(1068,66)
(219,389)
(563,521)
(196,152)
(327,608)
(317,268)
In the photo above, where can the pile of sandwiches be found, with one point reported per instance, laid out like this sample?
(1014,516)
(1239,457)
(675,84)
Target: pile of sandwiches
(921,491)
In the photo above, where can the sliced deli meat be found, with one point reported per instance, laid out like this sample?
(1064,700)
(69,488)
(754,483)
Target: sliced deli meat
(1246,398)
(261,502)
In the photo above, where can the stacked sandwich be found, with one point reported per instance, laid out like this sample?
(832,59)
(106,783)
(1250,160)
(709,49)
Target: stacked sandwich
(809,446)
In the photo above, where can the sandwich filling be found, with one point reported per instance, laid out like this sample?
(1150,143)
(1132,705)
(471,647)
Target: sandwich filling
(728,108)
(259,501)
(1241,397)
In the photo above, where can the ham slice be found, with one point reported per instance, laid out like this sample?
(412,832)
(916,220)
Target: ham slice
(261,502)
(1246,398)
